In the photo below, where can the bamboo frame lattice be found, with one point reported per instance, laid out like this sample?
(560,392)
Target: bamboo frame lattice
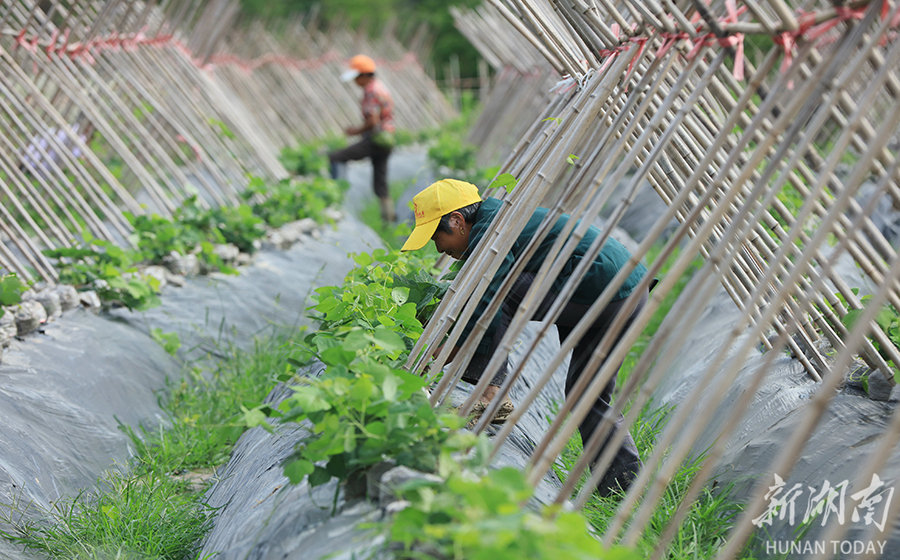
(668,93)
(185,100)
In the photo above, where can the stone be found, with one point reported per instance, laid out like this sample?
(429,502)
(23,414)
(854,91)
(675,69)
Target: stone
(879,387)
(227,252)
(306,225)
(29,316)
(243,259)
(90,301)
(184,265)
(333,213)
(174,279)
(50,300)
(274,240)
(68,297)
(159,273)
(7,326)
(290,234)
(395,478)
(373,478)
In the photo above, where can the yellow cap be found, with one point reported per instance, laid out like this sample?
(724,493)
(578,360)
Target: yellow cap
(435,201)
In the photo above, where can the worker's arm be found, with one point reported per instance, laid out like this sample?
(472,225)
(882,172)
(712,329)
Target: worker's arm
(370,123)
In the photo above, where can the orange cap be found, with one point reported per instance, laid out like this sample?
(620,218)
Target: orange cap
(434,201)
(359,64)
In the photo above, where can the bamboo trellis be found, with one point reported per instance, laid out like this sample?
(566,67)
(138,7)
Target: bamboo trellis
(663,92)
(184,102)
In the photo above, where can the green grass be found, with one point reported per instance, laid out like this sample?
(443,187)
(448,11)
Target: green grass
(704,529)
(204,407)
(150,511)
(127,516)
(393,236)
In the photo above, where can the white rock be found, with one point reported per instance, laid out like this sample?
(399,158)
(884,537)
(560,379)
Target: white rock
(29,316)
(7,326)
(49,299)
(90,301)
(333,213)
(228,252)
(68,297)
(274,240)
(159,273)
(184,265)
(175,279)
(290,234)
(243,259)
(306,225)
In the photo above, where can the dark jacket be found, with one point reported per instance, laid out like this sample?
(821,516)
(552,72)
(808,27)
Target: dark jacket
(611,258)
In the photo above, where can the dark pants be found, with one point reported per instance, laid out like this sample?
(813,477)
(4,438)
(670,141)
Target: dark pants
(365,148)
(626,464)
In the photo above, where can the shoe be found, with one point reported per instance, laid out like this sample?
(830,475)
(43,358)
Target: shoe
(502,414)
(387,211)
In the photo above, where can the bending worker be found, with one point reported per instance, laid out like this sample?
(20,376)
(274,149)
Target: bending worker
(377,131)
(452,214)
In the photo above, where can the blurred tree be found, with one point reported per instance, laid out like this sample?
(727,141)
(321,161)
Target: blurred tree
(374,14)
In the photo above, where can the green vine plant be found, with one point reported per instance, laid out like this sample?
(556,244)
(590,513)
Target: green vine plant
(109,270)
(114,274)
(452,152)
(888,319)
(310,158)
(290,200)
(363,410)
(11,290)
(483,518)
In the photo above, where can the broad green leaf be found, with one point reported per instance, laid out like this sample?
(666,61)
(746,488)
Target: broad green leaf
(376,429)
(885,317)
(356,340)
(255,417)
(400,295)
(11,290)
(851,317)
(319,476)
(504,180)
(337,355)
(389,340)
(389,387)
(349,439)
(362,259)
(298,469)
(309,399)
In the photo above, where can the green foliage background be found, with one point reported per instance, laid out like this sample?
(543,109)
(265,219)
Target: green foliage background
(374,14)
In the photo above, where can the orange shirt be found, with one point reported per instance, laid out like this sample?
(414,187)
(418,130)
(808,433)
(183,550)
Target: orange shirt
(377,100)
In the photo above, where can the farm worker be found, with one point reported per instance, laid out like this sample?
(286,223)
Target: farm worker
(377,130)
(452,214)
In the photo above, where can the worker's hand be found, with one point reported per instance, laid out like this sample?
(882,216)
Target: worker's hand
(351,131)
